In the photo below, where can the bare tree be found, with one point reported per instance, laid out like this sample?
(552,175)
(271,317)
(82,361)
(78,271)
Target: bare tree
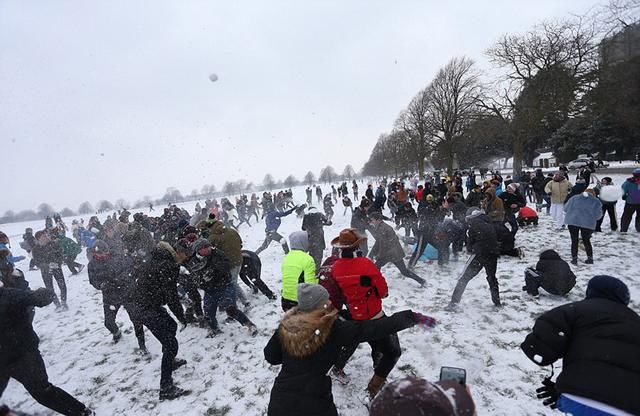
(309,178)
(290,181)
(348,172)
(453,103)
(268,181)
(568,47)
(85,208)
(327,174)
(414,128)
(45,209)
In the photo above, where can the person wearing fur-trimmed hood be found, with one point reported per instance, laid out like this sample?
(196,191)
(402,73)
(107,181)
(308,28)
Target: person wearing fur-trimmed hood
(307,343)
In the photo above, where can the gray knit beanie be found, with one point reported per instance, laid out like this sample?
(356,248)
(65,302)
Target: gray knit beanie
(311,297)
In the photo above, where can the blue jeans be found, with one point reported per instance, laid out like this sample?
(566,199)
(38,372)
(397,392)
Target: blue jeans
(225,298)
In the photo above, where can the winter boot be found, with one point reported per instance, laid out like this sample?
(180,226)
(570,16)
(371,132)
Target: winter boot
(178,362)
(375,384)
(574,261)
(116,336)
(495,296)
(589,260)
(172,392)
(253,330)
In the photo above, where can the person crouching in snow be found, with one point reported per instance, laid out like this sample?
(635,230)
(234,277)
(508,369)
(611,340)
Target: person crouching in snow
(306,344)
(527,216)
(551,273)
(598,340)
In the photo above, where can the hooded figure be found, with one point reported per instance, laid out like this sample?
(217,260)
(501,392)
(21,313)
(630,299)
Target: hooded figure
(307,343)
(313,223)
(598,340)
(298,267)
(551,273)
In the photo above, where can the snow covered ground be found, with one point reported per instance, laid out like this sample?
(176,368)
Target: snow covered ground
(229,376)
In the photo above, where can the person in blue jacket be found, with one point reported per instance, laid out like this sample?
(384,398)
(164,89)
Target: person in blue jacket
(273,221)
(5,248)
(582,212)
(631,196)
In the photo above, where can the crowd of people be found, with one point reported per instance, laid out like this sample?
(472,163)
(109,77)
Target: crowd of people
(193,263)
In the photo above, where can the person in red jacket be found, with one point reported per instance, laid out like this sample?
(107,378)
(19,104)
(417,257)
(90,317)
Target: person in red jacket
(363,287)
(527,216)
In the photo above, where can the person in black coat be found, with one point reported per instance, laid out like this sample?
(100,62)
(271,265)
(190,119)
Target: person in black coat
(313,223)
(551,273)
(307,344)
(483,243)
(598,340)
(111,275)
(250,272)
(156,285)
(47,255)
(20,357)
(512,200)
(360,221)
(474,198)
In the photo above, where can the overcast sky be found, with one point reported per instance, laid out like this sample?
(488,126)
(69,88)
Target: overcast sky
(111,99)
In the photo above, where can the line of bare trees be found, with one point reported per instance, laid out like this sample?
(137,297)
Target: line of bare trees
(545,84)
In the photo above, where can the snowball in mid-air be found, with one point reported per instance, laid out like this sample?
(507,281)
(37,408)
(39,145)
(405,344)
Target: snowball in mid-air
(213,77)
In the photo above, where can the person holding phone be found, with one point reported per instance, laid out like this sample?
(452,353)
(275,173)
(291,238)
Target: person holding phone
(416,396)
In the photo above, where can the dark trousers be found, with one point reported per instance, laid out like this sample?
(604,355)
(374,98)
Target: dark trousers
(316,254)
(29,370)
(288,304)
(627,214)
(257,284)
(48,275)
(532,281)
(611,210)
(72,264)
(426,238)
(164,328)
(385,353)
(111,310)
(575,233)
(225,298)
(513,223)
(194,304)
(476,263)
(403,269)
(273,236)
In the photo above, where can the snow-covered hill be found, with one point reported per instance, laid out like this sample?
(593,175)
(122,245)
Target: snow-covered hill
(229,376)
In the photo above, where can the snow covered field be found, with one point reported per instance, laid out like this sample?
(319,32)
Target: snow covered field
(229,376)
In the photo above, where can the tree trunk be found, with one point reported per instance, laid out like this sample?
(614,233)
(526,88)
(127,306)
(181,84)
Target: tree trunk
(518,154)
(421,166)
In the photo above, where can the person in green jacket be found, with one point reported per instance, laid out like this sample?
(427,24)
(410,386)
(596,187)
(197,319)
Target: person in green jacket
(298,267)
(70,250)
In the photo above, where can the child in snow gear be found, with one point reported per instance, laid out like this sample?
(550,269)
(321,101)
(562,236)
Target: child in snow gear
(28,243)
(608,195)
(306,344)
(551,273)
(598,339)
(298,267)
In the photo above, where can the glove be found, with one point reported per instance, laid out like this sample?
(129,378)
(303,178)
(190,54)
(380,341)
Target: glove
(548,393)
(424,320)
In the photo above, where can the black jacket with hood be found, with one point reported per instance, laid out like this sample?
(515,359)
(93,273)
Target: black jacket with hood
(556,275)
(598,339)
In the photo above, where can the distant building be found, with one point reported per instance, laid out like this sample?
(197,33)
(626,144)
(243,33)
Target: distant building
(622,46)
(545,160)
